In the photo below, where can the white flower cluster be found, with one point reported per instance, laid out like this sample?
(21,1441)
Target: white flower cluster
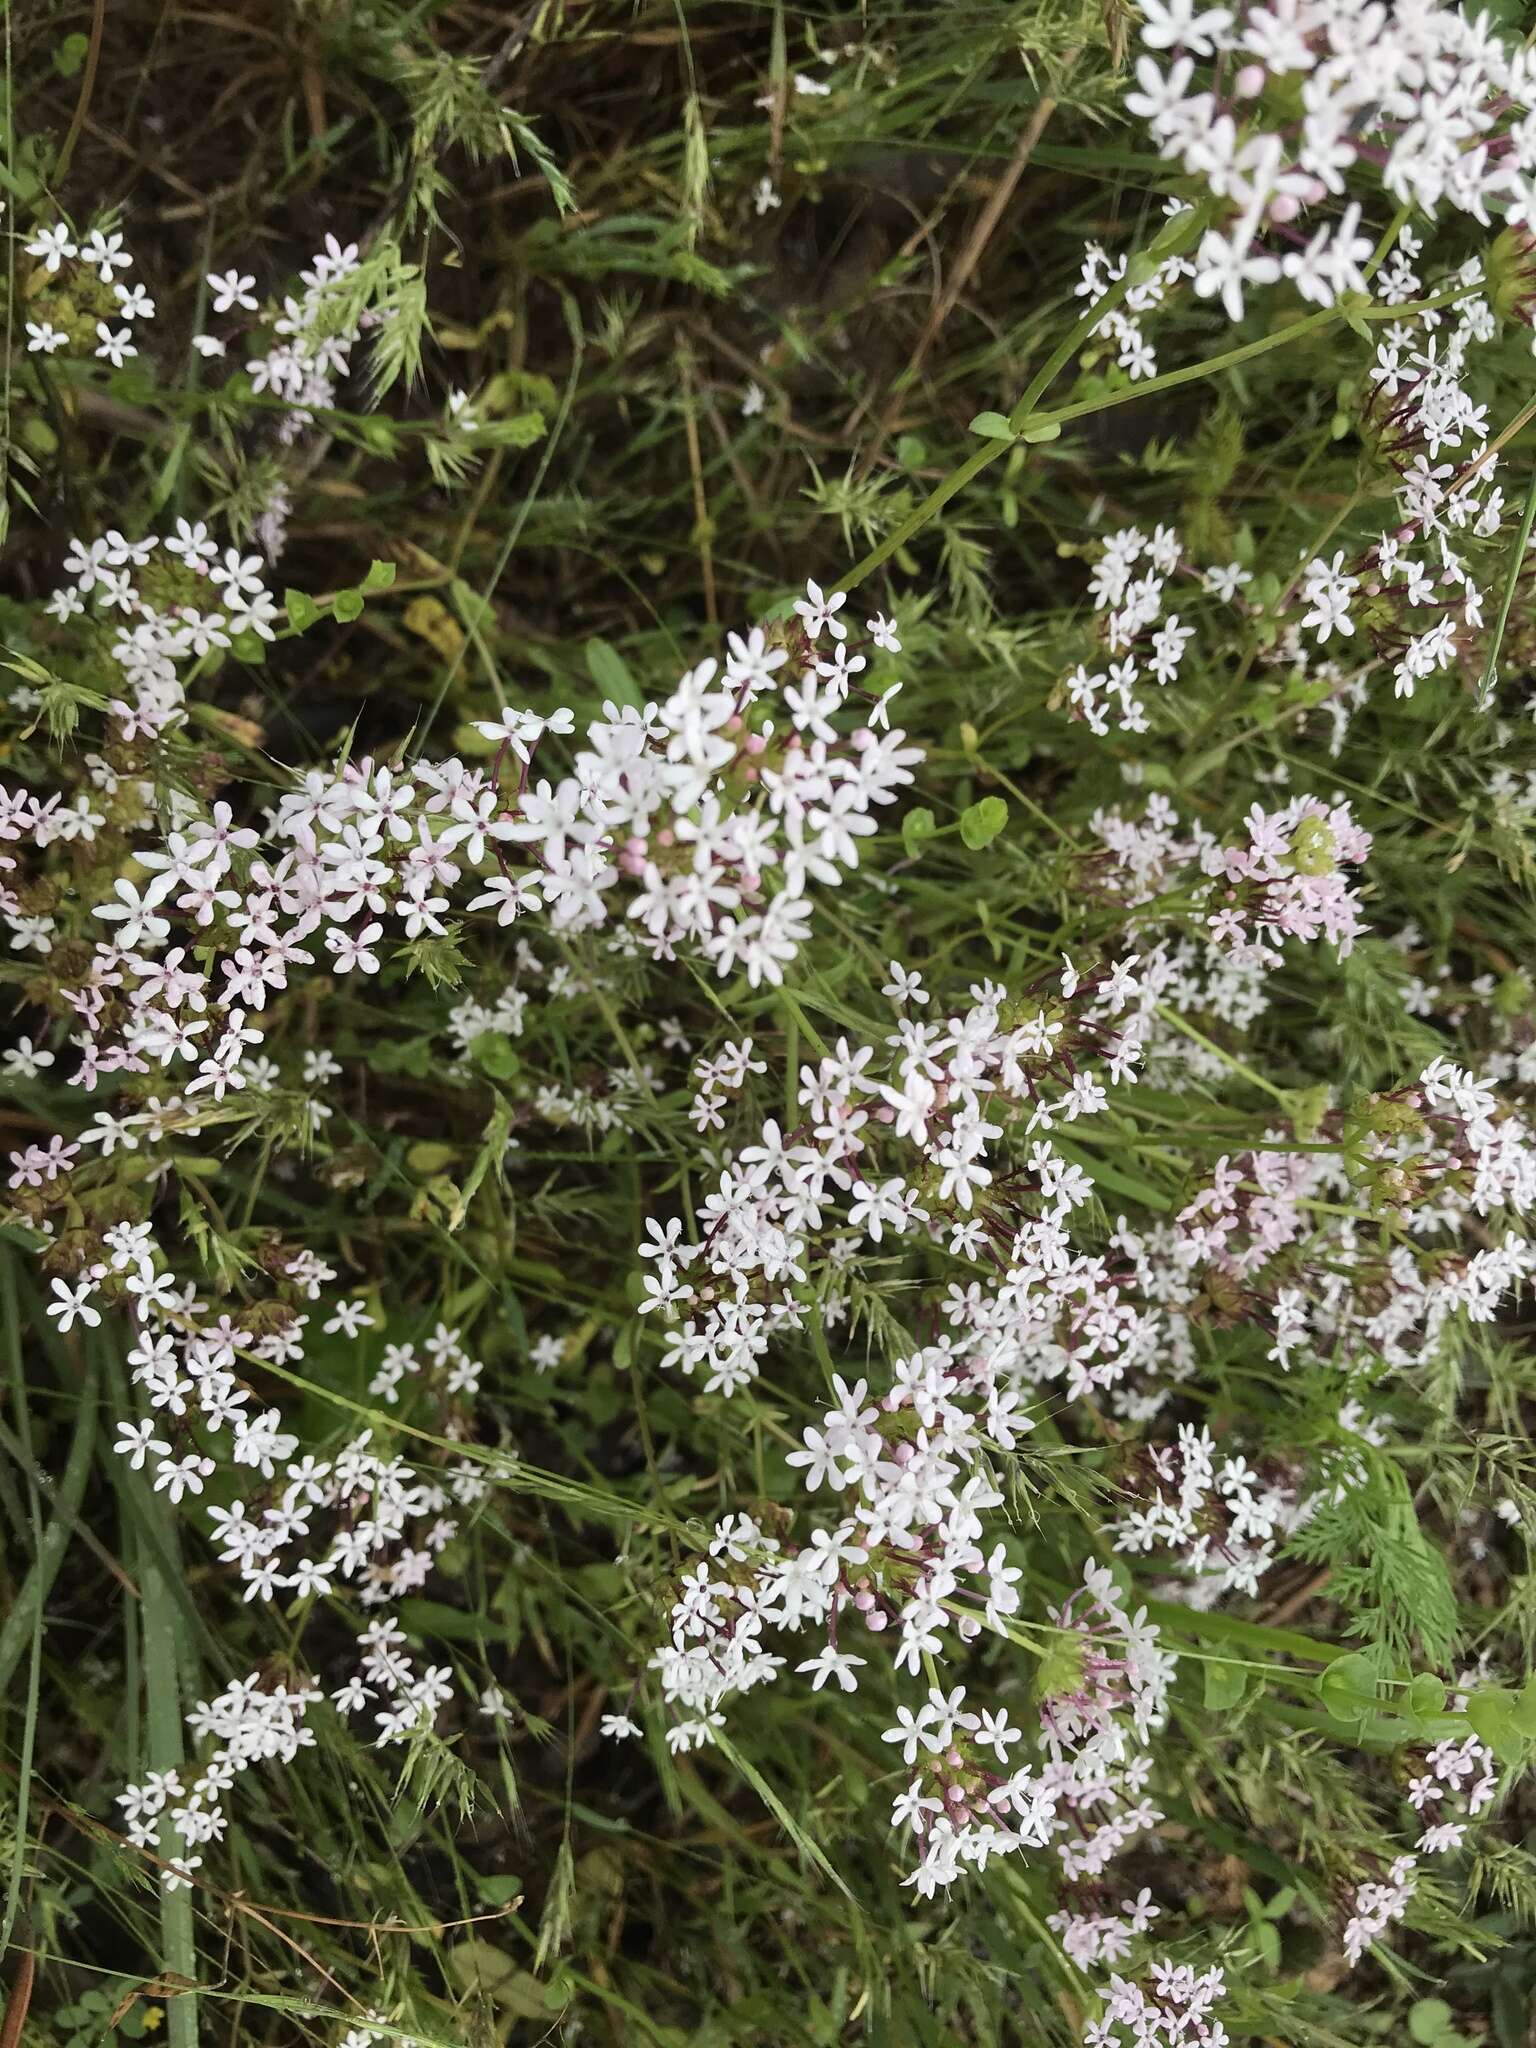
(1417,586)
(1286,882)
(83,306)
(1221,1515)
(1177,2011)
(169,602)
(710,814)
(1122,324)
(1128,585)
(80,306)
(1306,95)
(713,809)
(1103,1684)
(963,1137)
(314,333)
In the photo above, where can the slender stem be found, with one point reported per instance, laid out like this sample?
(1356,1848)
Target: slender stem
(1486,687)
(87,88)
(1238,1067)
(1281,338)
(1023,415)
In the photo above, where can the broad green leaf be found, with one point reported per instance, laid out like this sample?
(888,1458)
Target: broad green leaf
(981,823)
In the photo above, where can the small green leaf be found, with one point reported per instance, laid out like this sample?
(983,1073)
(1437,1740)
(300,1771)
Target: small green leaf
(1425,1697)
(521,430)
(1348,1686)
(301,608)
(348,605)
(70,54)
(992,426)
(981,823)
(1225,1685)
(917,828)
(380,576)
(495,1055)
(1428,2020)
(500,1890)
(1044,430)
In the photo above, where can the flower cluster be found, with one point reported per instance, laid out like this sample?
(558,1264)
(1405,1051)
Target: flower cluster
(1306,97)
(79,301)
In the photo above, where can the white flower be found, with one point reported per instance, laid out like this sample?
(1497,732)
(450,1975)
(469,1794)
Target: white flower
(117,346)
(53,245)
(136,1440)
(230,289)
(72,1304)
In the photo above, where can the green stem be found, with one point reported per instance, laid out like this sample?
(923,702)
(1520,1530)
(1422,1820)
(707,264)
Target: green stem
(162,1681)
(1228,1059)
(1023,417)
(1486,687)
(33,1596)
(1193,373)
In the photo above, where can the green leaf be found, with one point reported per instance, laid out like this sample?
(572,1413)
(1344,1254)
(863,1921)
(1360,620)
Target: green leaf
(380,576)
(1425,1697)
(301,608)
(70,54)
(480,1969)
(981,823)
(495,1054)
(1428,2020)
(1523,1713)
(991,426)
(348,605)
(1348,1686)
(609,670)
(1043,430)
(499,1890)
(520,430)
(917,828)
(1491,1715)
(1225,1685)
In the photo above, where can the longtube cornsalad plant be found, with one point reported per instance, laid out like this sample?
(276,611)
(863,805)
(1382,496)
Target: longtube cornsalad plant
(1046,1307)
